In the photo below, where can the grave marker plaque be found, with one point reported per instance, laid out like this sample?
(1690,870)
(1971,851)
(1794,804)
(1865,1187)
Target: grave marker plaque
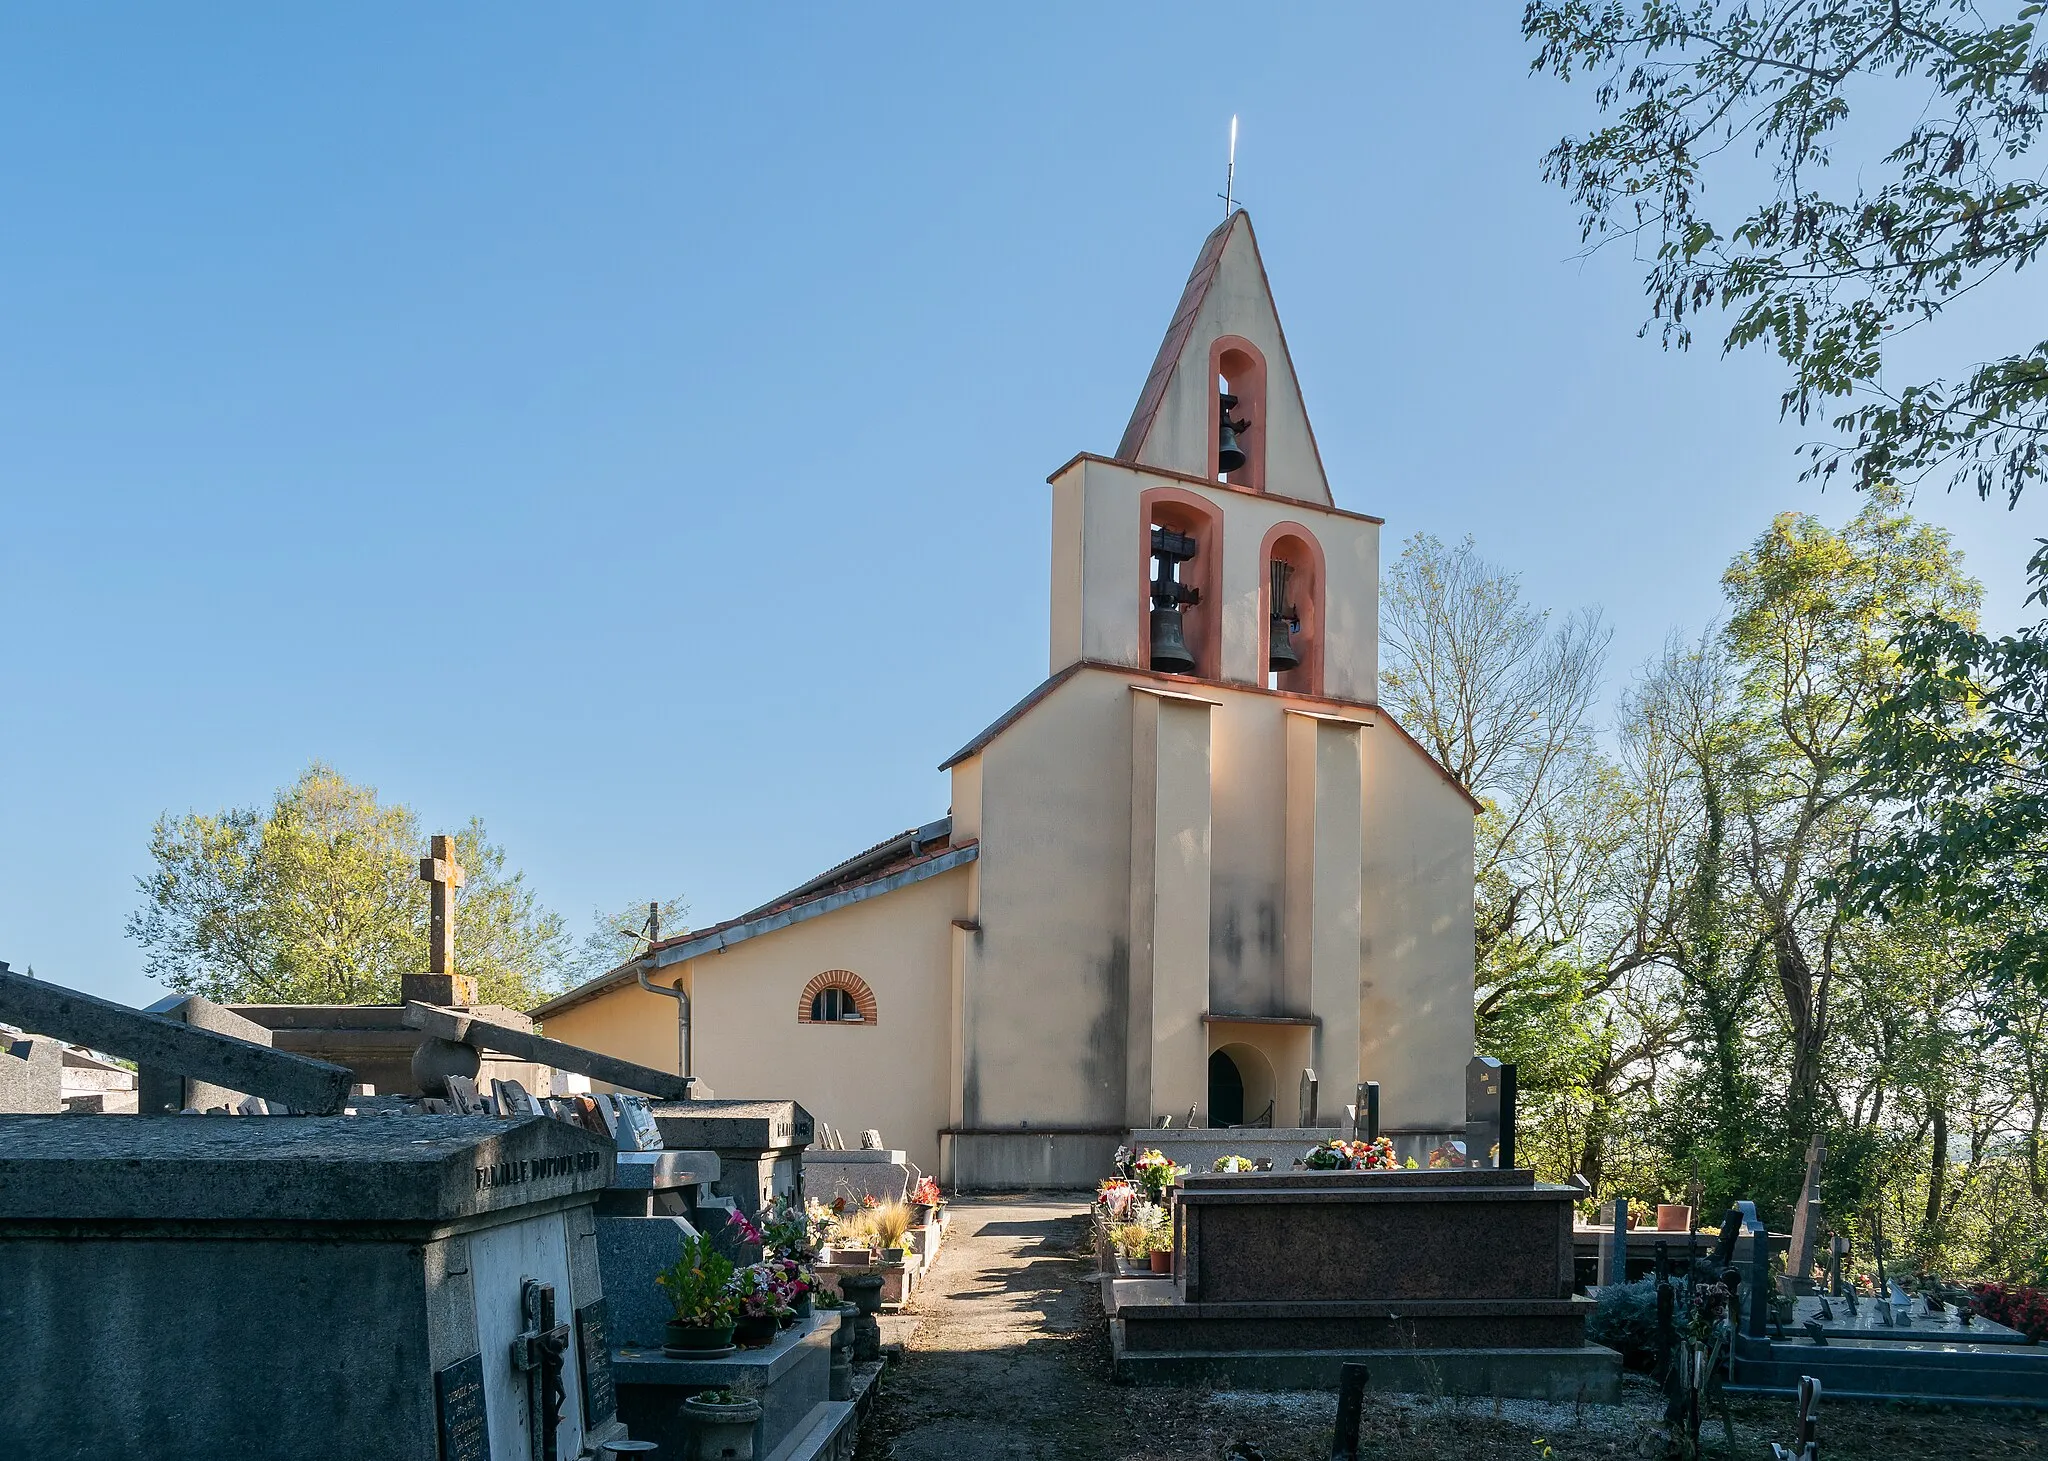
(594,1353)
(459,1411)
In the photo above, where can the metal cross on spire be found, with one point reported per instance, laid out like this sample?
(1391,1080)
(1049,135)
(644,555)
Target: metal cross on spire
(1229,193)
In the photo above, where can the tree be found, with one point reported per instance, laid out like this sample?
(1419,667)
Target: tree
(1826,266)
(1814,613)
(317,900)
(615,938)
(1961,748)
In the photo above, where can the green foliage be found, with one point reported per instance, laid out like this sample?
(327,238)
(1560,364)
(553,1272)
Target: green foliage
(1825,265)
(317,900)
(1624,1319)
(1961,749)
(1705,936)
(699,1283)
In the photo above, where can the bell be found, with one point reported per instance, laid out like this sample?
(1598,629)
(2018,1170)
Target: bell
(1229,455)
(1169,648)
(1280,652)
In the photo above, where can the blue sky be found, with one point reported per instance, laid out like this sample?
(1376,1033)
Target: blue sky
(631,425)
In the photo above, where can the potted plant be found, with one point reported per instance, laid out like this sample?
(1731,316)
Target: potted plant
(722,1424)
(889,1222)
(757,1290)
(698,1283)
(1231,1165)
(926,1199)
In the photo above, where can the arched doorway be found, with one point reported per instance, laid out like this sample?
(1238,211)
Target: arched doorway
(1226,1091)
(1240,1086)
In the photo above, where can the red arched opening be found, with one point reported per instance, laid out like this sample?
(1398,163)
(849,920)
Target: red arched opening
(838,996)
(1295,547)
(1178,510)
(1239,370)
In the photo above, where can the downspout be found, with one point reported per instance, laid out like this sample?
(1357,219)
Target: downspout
(674,992)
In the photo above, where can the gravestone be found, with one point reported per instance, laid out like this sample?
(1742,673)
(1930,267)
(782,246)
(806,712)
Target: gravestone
(1806,1219)
(759,1144)
(1614,1245)
(160,1088)
(1308,1099)
(1490,1115)
(31,1076)
(324,1288)
(93,1084)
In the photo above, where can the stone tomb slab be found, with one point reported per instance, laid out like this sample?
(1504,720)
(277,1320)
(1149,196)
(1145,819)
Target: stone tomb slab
(1282,1277)
(325,1288)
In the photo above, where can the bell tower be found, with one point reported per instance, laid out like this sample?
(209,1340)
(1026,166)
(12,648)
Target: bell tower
(1222,402)
(1209,546)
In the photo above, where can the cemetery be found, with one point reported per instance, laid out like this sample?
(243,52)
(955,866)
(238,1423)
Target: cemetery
(1334,994)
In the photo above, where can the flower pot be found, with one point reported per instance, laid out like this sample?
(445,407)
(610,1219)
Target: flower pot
(754,1331)
(682,1336)
(893,1258)
(1162,1260)
(722,1432)
(1673,1218)
(850,1257)
(803,1306)
(922,1212)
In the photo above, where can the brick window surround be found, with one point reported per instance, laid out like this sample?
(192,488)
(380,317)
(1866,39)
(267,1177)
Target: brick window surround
(846,979)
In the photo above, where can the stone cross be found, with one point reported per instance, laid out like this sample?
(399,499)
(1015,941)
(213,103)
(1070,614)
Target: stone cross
(444,874)
(440,985)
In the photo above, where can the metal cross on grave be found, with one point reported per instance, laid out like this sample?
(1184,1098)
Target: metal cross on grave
(540,1353)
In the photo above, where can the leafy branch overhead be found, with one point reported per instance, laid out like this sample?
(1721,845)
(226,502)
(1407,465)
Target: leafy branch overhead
(1839,246)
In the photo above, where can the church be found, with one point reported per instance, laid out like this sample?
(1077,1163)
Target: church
(1194,861)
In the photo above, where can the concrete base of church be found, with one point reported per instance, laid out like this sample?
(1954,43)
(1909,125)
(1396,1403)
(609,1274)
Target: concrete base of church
(1585,1374)
(1013,1161)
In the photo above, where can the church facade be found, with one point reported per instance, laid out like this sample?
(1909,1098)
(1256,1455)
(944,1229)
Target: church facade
(1196,860)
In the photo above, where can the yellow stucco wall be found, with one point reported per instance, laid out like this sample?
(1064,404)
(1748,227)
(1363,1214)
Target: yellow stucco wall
(748,1041)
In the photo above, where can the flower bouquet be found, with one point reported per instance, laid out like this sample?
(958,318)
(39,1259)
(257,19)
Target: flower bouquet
(1156,1173)
(1231,1164)
(764,1300)
(1337,1155)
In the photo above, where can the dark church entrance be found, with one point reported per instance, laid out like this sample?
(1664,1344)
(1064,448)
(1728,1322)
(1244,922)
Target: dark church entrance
(1226,1091)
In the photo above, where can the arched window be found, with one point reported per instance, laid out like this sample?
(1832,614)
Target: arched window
(1240,372)
(1291,593)
(1180,560)
(836,997)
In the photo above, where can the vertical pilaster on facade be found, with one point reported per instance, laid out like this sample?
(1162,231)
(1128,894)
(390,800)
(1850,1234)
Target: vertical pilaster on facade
(1167,1050)
(1323,948)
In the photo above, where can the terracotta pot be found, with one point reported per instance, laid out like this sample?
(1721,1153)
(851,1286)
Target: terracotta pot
(1162,1260)
(1673,1218)
(683,1337)
(754,1331)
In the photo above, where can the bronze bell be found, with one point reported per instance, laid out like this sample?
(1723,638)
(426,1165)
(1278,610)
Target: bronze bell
(1281,654)
(1169,596)
(1169,647)
(1229,455)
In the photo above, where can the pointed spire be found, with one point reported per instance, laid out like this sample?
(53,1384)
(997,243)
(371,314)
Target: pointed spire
(1226,307)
